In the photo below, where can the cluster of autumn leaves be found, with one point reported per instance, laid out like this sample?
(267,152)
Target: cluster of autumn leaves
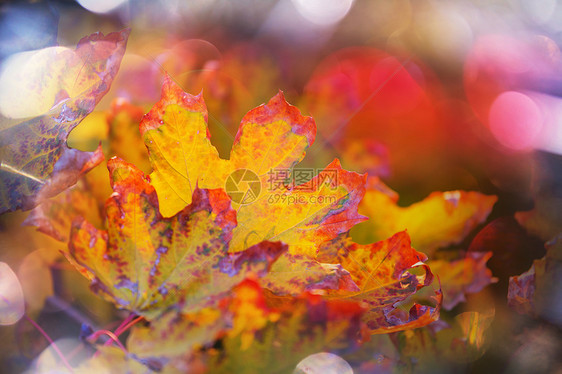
(228,287)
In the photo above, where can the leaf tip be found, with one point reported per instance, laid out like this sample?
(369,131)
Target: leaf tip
(301,125)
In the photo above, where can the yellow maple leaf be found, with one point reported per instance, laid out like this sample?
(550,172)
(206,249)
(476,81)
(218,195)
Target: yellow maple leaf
(271,138)
(441,219)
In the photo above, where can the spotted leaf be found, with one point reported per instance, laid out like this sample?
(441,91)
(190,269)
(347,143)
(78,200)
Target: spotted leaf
(147,263)
(36,163)
(387,274)
(271,140)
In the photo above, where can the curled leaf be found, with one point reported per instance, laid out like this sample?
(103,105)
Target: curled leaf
(387,273)
(271,140)
(536,292)
(35,160)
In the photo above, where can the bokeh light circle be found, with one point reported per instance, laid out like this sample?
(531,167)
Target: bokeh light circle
(101,6)
(12,305)
(515,120)
(323,363)
(323,12)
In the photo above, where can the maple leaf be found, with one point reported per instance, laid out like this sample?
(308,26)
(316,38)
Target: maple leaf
(272,136)
(386,275)
(441,219)
(147,263)
(35,160)
(462,276)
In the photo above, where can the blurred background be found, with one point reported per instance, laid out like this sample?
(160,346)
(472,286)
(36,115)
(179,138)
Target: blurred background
(428,95)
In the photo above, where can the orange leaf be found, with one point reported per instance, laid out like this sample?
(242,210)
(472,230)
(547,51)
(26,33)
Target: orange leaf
(387,274)
(271,137)
(147,263)
(441,219)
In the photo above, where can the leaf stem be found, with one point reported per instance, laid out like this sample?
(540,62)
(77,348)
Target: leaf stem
(124,328)
(111,336)
(53,344)
(124,323)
